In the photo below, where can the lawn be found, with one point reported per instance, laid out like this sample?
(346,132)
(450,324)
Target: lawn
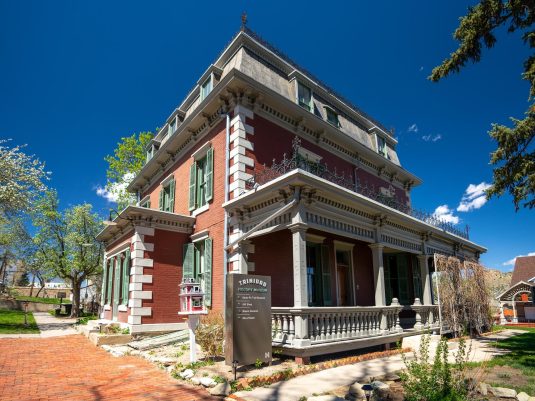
(515,369)
(54,301)
(12,322)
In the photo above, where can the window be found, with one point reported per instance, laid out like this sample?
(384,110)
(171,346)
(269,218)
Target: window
(304,96)
(151,151)
(381,146)
(206,88)
(318,275)
(145,202)
(167,196)
(197,264)
(116,279)
(201,179)
(396,278)
(332,117)
(172,127)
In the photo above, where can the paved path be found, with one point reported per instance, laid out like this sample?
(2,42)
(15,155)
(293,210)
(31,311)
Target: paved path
(70,368)
(50,326)
(330,379)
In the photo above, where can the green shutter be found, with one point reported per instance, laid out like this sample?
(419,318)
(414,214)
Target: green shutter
(207,274)
(192,186)
(172,196)
(187,261)
(126,277)
(110,281)
(160,198)
(104,281)
(117,282)
(326,276)
(209,175)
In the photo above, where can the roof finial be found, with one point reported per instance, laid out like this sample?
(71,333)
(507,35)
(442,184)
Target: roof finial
(243,20)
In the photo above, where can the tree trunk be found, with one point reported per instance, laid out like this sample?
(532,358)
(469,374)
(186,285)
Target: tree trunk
(76,284)
(33,284)
(40,289)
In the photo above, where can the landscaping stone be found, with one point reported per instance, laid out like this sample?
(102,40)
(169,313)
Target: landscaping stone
(531,399)
(325,398)
(196,381)
(221,389)
(356,390)
(391,377)
(208,382)
(380,388)
(483,388)
(522,397)
(503,392)
(186,374)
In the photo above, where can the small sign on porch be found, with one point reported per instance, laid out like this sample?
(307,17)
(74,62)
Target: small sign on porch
(248,319)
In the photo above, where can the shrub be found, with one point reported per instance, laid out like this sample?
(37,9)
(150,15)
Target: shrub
(439,380)
(210,334)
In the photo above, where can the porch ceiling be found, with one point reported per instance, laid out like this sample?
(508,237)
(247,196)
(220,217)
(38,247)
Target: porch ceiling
(281,189)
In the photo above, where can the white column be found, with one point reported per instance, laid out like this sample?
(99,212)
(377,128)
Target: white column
(299,265)
(423,261)
(515,318)
(378,274)
(502,315)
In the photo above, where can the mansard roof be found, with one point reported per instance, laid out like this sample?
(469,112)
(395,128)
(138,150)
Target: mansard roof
(524,269)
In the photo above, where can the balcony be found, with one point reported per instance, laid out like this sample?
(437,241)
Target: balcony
(296,161)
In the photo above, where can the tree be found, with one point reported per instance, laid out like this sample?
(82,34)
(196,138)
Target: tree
(66,242)
(514,158)
(21,179)
(127,161)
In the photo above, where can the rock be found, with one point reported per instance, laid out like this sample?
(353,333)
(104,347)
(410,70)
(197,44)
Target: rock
(380,388)
(196,381)
(221,389)
(522,397)
(186,374)
(502,392)
(483,388)
(391,377)
(356,390)
(325,398)
(207,382)
(166,361)
(531,399)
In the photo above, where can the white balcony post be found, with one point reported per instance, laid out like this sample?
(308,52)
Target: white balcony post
(379,282)
(423,261)
(300,282)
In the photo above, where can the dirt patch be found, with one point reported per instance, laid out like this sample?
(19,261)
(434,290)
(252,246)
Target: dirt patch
(499,376)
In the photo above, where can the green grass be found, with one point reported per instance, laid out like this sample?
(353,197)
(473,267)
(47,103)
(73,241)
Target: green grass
(12,322)
(521,356)
(54,301)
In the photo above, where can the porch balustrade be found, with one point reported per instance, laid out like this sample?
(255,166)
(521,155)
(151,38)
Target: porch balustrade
(330,324)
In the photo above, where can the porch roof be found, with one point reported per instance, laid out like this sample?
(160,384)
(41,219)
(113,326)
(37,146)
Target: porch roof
(299,177)
(141,216)
(509,294)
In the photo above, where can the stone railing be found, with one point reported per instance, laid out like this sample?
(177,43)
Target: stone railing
(426,316)
(307,326)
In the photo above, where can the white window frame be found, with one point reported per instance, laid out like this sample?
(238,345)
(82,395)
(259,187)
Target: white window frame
(210,82)
(145,199)
(331,110)
(311,105)
(377,138)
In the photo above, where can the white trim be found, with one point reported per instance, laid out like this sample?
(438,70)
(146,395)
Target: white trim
(344,246)
(167,179)
(107,307)
(317,239)
(141,328)
(201,152)
(143,200)
(118,249)
(122,308)
(200,210)
(202,235)
(309,155)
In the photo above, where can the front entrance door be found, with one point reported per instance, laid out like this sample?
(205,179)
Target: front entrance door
(343,275)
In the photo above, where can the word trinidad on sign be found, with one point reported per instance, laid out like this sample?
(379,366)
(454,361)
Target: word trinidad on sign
(253,281)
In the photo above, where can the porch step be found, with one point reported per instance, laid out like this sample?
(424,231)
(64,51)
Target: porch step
(165,339)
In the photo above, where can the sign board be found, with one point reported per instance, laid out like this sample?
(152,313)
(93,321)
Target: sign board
(248,319)
(61,295)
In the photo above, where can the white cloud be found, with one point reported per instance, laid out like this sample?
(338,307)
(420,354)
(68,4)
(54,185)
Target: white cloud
(112,191)
(511,262)
(474,197)
(444,213)
(413,128)
(432,138)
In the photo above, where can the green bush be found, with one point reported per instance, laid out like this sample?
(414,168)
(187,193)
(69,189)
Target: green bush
(210,335)
(439,380)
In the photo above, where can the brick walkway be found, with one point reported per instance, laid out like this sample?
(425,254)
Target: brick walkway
(71,368)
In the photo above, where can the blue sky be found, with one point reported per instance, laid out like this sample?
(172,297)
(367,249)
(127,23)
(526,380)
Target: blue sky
(77,76)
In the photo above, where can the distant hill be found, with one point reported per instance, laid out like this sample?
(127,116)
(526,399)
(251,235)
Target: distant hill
(497,282)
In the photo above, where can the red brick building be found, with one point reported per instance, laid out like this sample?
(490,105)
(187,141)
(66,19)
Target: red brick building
(263,169)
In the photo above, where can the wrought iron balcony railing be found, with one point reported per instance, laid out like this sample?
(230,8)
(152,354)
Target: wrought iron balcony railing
(297,161)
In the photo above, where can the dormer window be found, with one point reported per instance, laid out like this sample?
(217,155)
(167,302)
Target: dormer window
(172,127)
(332,117)
(151,151)
(206,88)
(381,146)
(304,96)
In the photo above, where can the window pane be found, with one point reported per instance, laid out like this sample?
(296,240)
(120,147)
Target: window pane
(304,96)
(332,117)
(206,88)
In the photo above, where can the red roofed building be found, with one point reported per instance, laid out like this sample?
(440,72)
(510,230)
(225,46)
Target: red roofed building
(516,303)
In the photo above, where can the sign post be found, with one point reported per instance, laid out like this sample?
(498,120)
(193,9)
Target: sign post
(248,320)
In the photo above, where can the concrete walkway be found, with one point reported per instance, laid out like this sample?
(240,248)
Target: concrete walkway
(49,326)
(330,379)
